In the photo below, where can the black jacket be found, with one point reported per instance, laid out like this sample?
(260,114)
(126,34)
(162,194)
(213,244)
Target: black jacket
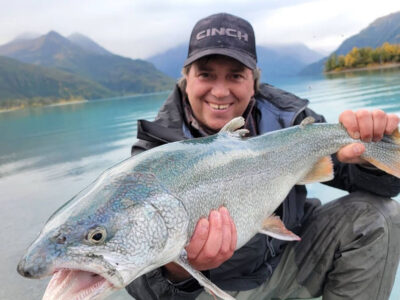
(252,264)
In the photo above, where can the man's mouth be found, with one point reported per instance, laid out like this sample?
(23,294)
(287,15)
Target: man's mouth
(219,106)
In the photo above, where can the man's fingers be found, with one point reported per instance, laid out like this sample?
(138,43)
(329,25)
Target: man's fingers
(234,235)
(226,233)
(349,121)
(351,153)
(198,239)
(392,123)
(365,124)
(379,124)
(214,240)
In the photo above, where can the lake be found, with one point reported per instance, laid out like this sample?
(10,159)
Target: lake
(48,154)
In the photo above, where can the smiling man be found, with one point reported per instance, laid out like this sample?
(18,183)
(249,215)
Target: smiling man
(218,89)
(349,247)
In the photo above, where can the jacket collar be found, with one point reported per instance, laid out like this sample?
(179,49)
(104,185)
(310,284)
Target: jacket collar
(281,99)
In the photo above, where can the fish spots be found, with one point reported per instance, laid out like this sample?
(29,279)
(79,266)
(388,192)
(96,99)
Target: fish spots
(93,255)
(131,189)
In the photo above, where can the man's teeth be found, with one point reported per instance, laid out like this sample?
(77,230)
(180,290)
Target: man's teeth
(221,106)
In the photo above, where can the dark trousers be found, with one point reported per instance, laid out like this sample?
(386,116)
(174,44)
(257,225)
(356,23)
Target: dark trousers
(350,249)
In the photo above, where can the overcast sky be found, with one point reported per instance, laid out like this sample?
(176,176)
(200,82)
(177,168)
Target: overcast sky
(139,29)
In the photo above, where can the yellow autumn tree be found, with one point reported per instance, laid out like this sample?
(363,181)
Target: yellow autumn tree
(364,57)
(351,58)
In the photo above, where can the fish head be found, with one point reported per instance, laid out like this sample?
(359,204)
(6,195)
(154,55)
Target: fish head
(101,240)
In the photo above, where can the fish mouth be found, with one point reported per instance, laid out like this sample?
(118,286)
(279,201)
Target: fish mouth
(74,284)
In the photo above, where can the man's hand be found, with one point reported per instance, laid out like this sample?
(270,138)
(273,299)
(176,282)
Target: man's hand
(213,242)
(367,126)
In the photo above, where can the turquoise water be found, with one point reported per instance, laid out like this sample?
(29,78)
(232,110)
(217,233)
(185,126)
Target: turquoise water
(48,154)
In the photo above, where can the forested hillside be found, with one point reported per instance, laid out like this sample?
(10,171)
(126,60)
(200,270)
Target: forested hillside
(93,72)
(24,84)
(384,29)
(364,57)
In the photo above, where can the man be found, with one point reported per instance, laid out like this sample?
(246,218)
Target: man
(350,246)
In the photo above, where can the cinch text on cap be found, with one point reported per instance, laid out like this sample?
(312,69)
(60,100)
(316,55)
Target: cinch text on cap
(222,31)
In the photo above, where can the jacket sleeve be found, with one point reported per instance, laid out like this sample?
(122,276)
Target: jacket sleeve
(154,286)
(352,177)
(141,146)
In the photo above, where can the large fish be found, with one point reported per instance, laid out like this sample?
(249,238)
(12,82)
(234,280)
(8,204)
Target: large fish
(140,214)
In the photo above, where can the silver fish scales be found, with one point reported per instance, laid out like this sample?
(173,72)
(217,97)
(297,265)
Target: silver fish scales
(140,214)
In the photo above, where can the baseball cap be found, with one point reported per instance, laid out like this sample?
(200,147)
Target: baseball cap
(223,34)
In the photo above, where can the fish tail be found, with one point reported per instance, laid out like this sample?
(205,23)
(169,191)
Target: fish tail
(385,154)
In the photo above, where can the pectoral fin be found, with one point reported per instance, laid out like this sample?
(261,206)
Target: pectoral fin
(204,281)
(322,171)
(274,227)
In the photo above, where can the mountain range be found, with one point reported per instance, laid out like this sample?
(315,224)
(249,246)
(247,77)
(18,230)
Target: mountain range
(284,60)
(23,84)
(94,67)
(46,68)
(273,60)
(295,59)
(384,29)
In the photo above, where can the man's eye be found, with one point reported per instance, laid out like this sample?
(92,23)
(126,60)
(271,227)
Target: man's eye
(204,75)
(237,76)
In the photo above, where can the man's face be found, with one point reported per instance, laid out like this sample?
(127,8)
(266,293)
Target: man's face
(219,89)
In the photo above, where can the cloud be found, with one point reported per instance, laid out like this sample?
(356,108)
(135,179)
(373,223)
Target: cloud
(321,24)
(139,29)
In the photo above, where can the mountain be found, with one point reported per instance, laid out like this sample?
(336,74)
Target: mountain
(298,51)
(274,60)
(87,44)
(171,61)
(27,36)
(22,83)
(314,68)
(82,56)
(284,60)
(384,29)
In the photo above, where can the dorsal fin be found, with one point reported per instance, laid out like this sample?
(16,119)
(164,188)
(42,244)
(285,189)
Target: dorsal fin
(307,121)
(233,127)
(322,171)
(233,124)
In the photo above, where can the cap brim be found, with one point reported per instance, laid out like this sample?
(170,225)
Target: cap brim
(245,59)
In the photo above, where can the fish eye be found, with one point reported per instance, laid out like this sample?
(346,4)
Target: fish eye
(96,235)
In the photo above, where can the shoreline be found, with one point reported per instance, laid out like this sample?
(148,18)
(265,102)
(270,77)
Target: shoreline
(69,102)
(4,110)
(368,68)
(60,103)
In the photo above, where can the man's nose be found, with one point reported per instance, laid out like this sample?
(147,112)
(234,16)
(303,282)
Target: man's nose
(220,90)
